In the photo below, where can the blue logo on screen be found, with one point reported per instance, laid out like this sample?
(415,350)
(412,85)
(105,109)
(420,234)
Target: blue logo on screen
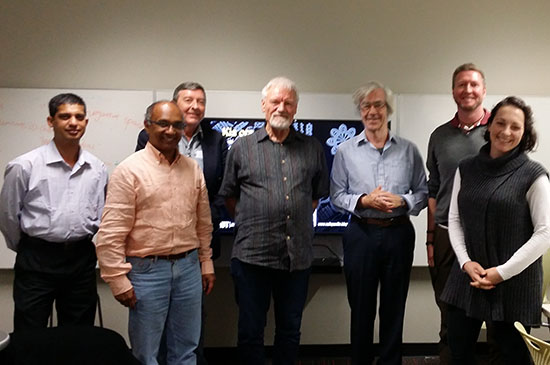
(338,136)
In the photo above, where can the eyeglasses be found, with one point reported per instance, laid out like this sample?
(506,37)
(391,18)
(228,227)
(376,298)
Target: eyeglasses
(166,124)
(377,105)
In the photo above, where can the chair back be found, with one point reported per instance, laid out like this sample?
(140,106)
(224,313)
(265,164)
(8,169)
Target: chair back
(539,350)
(4,340)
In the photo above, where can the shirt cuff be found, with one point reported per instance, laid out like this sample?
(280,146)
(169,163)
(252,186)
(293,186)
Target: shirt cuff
(502,272)
(354,199)
(120,285)
(207,267)
(409,202)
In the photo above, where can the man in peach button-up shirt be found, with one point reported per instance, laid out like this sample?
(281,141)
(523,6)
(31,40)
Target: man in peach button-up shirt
(153,244)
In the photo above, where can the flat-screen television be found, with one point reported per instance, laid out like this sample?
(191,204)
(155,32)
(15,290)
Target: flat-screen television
(330,133)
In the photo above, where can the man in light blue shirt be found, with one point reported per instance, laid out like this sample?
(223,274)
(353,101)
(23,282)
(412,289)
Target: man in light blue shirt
(379,178)
(50,207)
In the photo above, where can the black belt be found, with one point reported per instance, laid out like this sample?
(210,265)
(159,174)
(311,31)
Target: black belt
(383,222)
(43,244)
(171,257)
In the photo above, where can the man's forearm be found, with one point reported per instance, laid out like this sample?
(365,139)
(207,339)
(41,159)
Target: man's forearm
(432,203)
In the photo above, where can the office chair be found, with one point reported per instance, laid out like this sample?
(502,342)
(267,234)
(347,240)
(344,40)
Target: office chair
(67,345)
(539,350)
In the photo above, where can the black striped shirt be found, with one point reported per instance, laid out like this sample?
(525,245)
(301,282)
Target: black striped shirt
(275,184)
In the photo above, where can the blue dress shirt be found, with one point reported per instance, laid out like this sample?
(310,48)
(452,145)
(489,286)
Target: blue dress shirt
(359,168)
(44,197)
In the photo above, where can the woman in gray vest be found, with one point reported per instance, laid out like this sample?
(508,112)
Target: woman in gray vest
(499,226)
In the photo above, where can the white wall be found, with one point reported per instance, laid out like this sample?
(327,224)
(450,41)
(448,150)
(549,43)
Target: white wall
(326,316)
(325,321)
(325,46)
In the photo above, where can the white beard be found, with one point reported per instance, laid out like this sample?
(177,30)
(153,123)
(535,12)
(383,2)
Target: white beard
(279,122)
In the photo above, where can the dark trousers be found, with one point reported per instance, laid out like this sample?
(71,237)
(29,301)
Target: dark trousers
(444,259)
(254,286)
(377,255)
(47,271)
(463,332)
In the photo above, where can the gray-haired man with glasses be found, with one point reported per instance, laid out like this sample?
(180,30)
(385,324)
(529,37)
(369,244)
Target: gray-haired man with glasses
(379,178)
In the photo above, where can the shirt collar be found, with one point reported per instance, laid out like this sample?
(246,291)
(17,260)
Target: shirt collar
(363,138)
(53,155)
(455,122)
(156,155)
(198,133)
(261,135)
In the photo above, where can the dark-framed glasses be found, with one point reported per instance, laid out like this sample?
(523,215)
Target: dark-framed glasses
(180,124)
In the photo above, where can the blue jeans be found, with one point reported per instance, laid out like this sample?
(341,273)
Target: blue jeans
(254,286)
(169,295)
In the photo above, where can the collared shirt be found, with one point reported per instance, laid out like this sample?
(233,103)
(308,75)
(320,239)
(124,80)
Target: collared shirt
(192,147)
(359,168)
(153,208)
(275,185)
(46,198)
(455,122)
(448,145)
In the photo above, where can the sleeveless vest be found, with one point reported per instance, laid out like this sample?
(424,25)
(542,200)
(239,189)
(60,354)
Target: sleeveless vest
(496,221)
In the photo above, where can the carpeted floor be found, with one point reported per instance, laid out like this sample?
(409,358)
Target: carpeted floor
(416,354)
(409,360)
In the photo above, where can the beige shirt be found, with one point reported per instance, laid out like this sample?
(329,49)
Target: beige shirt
(153,208)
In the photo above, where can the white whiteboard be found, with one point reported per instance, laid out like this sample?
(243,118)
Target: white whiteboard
(115,118)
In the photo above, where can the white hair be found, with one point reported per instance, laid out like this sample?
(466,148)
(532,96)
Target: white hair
(281,82)
(369,87)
